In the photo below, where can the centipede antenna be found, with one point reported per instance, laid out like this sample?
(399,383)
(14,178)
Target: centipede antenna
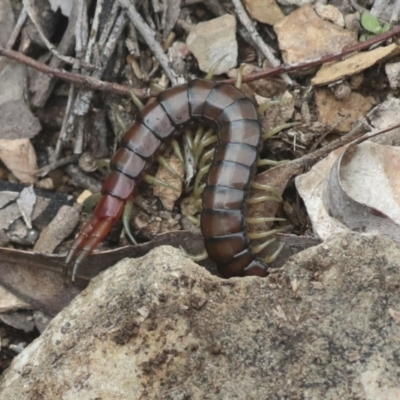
(278,129)
(136,101)
(262,199)
(261,220)
(262,235)
(199,257)
(273,256)
(177,150)
(267,188)
(126,216)
(163,161)
(256,249)
(154,181)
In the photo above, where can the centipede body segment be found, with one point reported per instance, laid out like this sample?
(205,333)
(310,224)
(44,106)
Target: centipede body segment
(223,222)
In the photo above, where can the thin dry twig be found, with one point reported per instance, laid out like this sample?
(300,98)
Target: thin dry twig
(17,28)
(79,80)
(81,32)
(83,101)
(319,61)
(260,44)
(15,33)
(106,29)
(42,172)
(29,6)
(93,31)
(63,133)
(149,36)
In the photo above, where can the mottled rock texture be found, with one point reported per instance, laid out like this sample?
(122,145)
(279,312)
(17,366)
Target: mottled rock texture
(327,326)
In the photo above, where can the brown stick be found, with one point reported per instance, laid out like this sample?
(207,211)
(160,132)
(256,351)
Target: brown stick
(316,62)
(79,80)
(97,84)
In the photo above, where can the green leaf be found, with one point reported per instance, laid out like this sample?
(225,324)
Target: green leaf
(385,27)
(370,23)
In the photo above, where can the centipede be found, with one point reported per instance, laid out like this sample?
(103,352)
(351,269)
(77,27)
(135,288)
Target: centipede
(222,220)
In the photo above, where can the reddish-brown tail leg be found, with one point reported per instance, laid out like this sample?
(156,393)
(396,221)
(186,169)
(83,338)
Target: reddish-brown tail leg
(106,214)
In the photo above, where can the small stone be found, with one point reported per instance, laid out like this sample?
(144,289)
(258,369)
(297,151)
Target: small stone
(46,184)
(341,91)
(330,13)
(303,35)
(341,114)
(214,42)
(393,74)
(9,302)
(59,228)
(265,11)
(20,158)
(352,22)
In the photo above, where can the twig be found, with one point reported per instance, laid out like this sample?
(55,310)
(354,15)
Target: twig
(93,31)
(17,28)
(56,164)
(132,43)
(80,80)
(63,133)
(319,61)
(81,33)
(32,15)
(80,179)
(84,99)
(105,32)
(111,43)
(261,45)
(149,36)
(15,33)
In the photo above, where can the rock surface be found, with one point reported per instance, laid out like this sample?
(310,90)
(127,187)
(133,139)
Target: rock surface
(303,35)
(327,326)
(265,11)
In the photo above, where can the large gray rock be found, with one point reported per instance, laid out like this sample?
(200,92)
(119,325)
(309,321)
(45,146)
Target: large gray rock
(325,327)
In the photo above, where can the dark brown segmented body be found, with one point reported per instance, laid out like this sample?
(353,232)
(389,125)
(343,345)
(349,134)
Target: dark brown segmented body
(222,220)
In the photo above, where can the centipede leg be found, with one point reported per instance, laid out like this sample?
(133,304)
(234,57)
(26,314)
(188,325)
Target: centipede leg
(198,257)
(126,216)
